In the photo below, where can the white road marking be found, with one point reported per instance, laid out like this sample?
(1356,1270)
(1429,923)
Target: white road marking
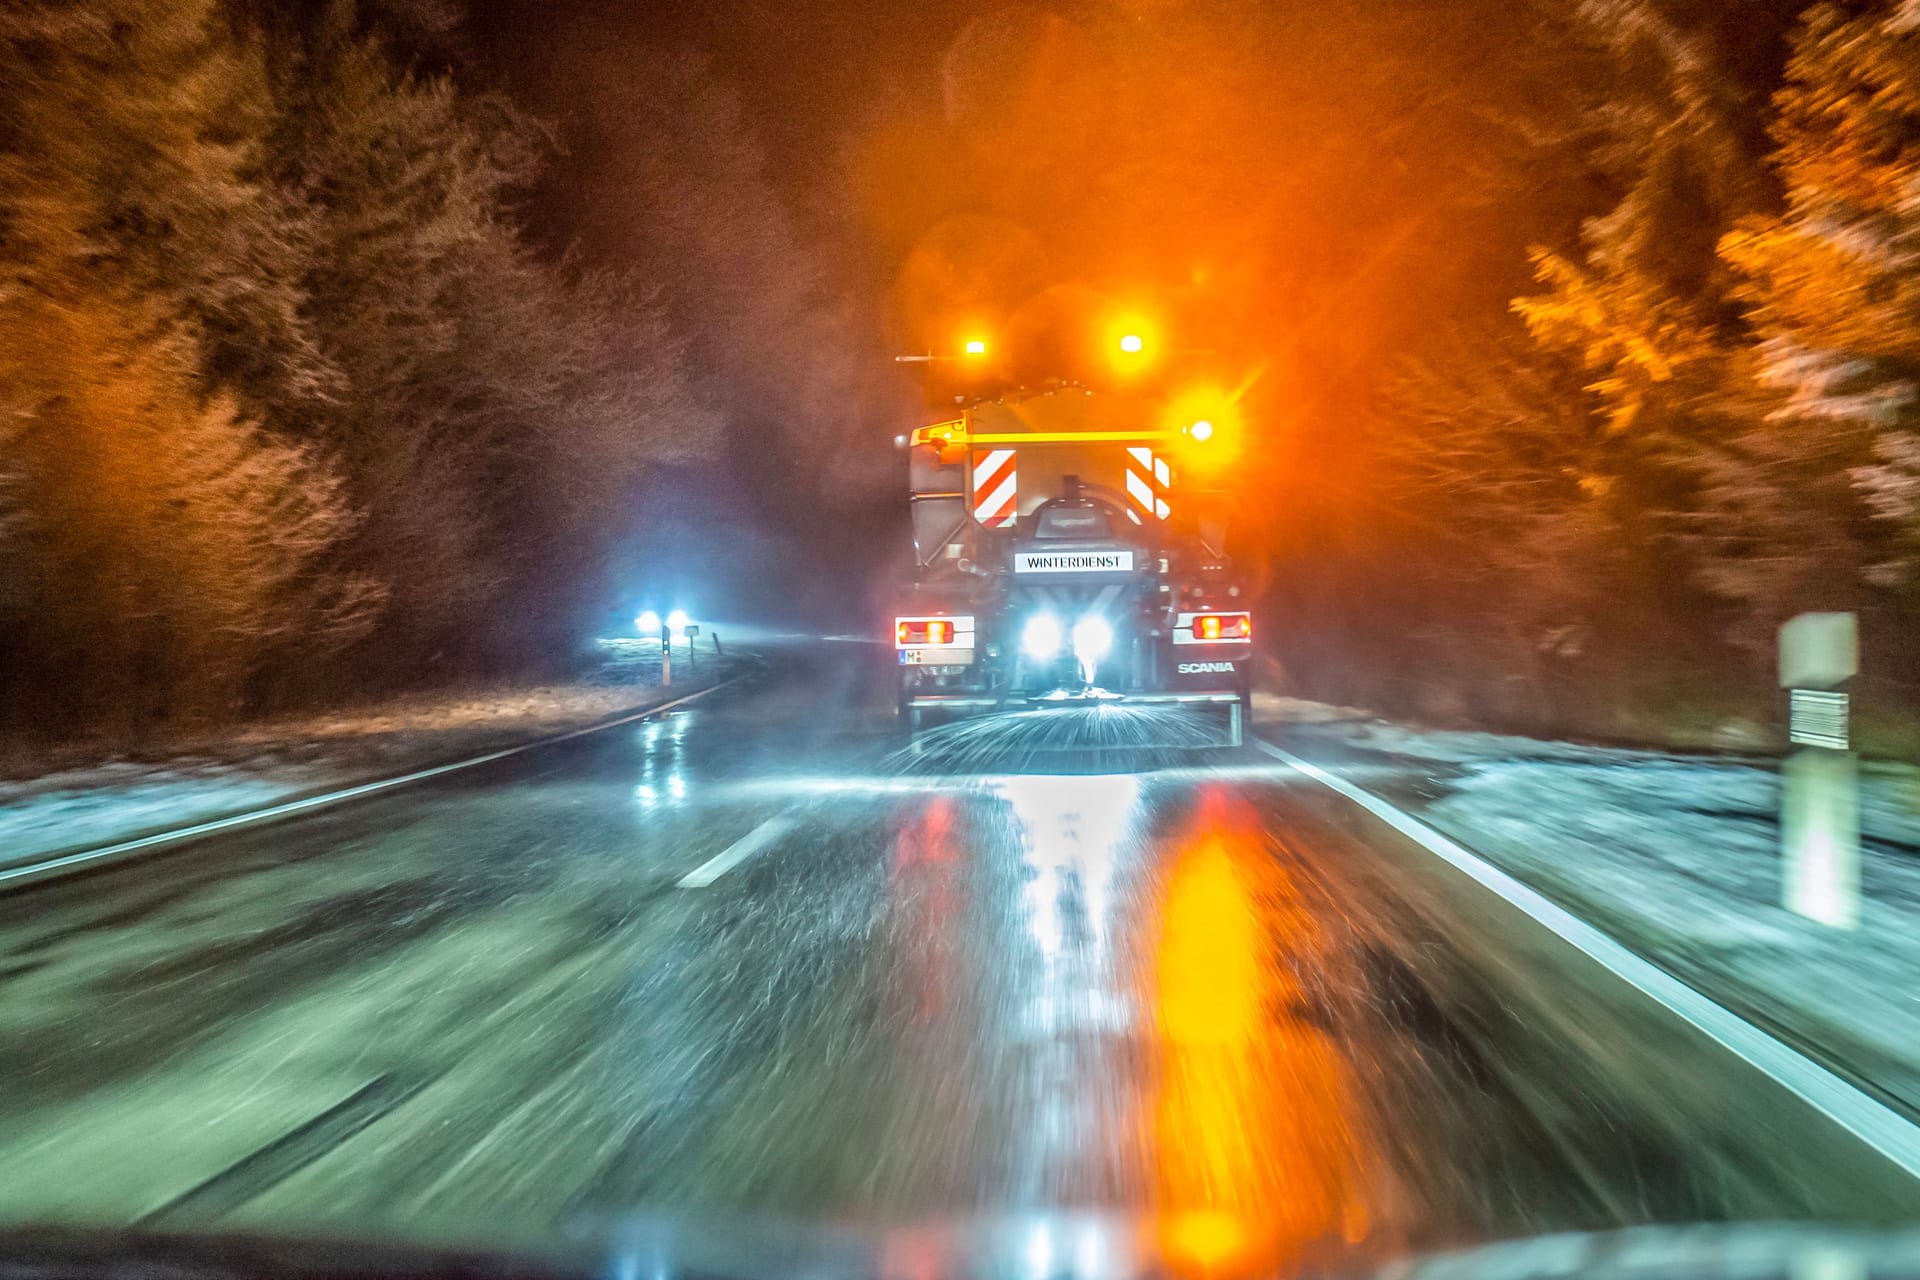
(49,865)
(738,852)
(1870,1121)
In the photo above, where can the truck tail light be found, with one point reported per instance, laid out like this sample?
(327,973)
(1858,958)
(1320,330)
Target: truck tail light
(1223,626)
(909,633)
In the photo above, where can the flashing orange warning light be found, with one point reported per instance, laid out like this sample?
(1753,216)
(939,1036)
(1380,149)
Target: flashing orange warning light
(1211,426)
(976,347)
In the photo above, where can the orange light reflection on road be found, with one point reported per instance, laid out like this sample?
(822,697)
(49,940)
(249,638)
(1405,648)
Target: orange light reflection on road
(1258,1157)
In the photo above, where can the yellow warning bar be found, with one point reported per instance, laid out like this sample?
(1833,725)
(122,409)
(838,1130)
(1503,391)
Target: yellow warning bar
(1073,437)
(956,434)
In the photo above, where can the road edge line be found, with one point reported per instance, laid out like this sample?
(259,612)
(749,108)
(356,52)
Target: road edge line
(1865,1118)
(62,862)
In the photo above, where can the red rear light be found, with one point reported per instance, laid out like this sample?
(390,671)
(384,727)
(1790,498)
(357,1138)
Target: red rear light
(916,633)
(1223,626)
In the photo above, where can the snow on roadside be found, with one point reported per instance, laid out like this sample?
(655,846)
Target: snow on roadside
(1678,856)
(400,729)
(264,763)
(81,807)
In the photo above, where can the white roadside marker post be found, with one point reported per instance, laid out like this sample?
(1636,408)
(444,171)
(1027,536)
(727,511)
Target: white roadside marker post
(1820,778)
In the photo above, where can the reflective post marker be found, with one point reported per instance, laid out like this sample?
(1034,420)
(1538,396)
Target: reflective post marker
(1820,778)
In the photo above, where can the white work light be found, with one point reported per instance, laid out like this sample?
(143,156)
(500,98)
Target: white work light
(1041,638)
(1092,639)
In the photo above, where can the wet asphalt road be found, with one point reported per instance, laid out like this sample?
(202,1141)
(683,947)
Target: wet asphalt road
(560,990)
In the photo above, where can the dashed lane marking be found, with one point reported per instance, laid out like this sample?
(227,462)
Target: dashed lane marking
(739,851)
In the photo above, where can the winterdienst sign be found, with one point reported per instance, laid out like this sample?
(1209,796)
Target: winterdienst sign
(1073,562)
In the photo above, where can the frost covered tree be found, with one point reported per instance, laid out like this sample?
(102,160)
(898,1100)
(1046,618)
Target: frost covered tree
(403,192)
(164,547)
(1646,306)
(289,398)
(1554,477)
(1642,303)
(168,549)
(479,423)
(1513,475)
(1832,287)
(165,113)
(679,185)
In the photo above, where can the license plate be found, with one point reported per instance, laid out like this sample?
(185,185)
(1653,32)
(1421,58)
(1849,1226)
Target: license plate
(936,657)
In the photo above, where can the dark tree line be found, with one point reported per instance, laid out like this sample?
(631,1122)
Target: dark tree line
(289,405)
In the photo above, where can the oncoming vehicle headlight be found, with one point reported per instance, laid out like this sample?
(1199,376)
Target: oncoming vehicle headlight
(1041,638)
(1092,638)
